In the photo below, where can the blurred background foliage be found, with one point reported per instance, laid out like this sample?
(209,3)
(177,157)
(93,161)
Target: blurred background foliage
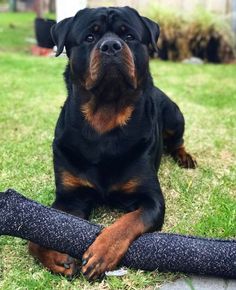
(201,33)
(202,29)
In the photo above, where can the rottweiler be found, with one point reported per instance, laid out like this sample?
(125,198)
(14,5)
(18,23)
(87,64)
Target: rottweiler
(111,133)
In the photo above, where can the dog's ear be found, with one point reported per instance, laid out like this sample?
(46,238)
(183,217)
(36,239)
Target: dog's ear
(154,32)
(59,33)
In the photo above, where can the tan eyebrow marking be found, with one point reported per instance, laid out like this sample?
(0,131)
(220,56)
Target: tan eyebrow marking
(96,28)
(123,28)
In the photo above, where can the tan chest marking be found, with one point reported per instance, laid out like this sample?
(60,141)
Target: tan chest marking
(105,119)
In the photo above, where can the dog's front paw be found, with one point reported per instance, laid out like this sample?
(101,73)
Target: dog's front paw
(103,255)
(54,261)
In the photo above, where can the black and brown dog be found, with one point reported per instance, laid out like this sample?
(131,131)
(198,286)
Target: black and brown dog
(111,133)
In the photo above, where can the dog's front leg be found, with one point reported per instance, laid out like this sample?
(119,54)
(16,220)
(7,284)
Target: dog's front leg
(113,242)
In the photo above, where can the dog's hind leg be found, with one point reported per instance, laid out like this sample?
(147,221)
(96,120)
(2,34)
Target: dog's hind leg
(173,132)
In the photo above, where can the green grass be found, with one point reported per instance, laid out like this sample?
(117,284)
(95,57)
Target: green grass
(200,202)
(16,29)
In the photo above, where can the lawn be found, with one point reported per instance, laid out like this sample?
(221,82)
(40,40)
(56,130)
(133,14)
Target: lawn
(200,202)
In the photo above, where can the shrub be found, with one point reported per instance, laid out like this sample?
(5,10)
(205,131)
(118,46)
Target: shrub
(201,34)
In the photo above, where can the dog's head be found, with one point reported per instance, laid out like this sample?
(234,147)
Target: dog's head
(107,46)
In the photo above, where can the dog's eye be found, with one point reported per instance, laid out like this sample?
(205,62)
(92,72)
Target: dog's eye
(129,37)
(89,38)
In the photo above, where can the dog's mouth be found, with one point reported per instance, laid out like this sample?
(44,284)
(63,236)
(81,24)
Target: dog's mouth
(112,70)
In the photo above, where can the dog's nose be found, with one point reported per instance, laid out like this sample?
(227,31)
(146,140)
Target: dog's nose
(111,47)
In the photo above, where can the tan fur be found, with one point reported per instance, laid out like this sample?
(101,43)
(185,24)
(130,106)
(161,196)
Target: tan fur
(113,242)
(105,119)
(127,187)
(70,181)
(129,63)
(93,71)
